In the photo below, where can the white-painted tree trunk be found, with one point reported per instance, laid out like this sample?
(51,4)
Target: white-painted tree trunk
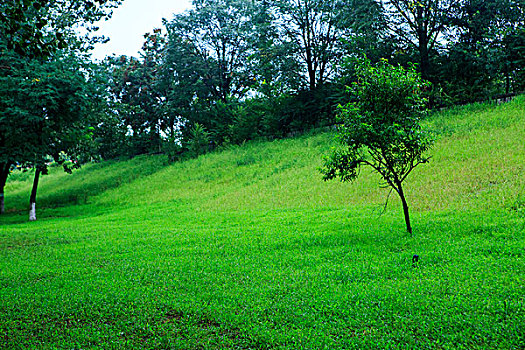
(32,198)
(32,212)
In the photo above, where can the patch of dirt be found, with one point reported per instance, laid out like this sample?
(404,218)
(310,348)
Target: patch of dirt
(173,316)
(213,327)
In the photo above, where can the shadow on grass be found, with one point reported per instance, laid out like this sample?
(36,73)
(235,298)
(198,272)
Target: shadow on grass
(59,190)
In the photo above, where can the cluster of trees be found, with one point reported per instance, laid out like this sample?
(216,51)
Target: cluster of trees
(233,70)
(228,71)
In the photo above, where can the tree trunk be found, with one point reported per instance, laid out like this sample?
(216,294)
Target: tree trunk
(422,34)
(32,199)
(4,173)
(425,62)
(507,80)
(405,207)
(310,67)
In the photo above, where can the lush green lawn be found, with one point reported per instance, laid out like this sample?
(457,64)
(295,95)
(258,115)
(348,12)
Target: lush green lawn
(249,249)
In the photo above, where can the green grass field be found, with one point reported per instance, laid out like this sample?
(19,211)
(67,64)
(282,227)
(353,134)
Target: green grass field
(248,248)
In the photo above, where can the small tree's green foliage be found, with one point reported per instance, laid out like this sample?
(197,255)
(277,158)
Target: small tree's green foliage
(381,128)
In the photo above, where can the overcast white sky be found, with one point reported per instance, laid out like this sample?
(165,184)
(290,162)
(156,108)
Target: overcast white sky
(131,21)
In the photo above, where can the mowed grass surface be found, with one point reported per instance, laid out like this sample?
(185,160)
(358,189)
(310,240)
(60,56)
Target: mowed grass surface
(249,249)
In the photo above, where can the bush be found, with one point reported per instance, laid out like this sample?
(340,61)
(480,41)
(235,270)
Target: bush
(199,142)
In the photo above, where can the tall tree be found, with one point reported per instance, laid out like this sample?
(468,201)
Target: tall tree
(133,85)
(47,107)
(33,32)
(310,30)
(214,34)
(207,66)
(420,25)
(482,48)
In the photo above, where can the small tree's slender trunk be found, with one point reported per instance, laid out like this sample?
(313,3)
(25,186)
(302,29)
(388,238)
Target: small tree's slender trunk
(405,207)
(32,199)
(4,173)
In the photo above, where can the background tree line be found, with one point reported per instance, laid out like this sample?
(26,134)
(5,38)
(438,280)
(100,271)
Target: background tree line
(228,71)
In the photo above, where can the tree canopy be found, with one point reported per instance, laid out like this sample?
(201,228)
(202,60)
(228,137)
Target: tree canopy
(45,87)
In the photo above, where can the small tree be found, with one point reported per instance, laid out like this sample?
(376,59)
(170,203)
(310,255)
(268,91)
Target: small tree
(382,127)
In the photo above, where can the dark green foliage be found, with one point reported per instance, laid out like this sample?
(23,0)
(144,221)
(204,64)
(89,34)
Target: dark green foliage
(47,92)
(247,69)
(37,29)
(49,113)
(208,51)
(309,30)
(382,128)
(199,141)
(312,108)
(481,59)
(133,84)
(465,72)
(250,69)
(110,137)
(248,119)
(513,60)
(418,26)
(46,110)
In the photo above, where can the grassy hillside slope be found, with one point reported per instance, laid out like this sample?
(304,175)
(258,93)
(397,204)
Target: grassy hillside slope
(249,249)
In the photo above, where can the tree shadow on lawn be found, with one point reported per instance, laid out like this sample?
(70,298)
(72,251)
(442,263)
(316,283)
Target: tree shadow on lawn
(59,192)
